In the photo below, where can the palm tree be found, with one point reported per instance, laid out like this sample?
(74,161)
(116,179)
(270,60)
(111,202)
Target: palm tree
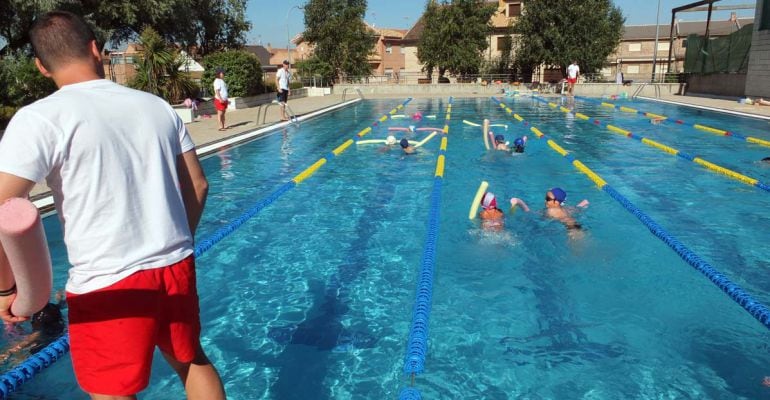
(158,69)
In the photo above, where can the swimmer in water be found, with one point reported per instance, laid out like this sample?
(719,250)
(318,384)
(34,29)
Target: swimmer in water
(554,208)
(408,148)
(492,218)
(500,143)
(518,144)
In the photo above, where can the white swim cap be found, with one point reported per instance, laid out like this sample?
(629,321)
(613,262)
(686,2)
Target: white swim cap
(391,140)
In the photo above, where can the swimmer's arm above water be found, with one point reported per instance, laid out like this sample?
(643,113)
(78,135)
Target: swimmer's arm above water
(517,201)
(583,204)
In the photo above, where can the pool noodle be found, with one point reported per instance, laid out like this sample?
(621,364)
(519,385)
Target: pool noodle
(484,132)
(465,121)
(430,129)
(399,128)
(477,199)
(24,242)
(429,137)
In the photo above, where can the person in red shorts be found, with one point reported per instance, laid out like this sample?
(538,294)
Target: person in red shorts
(221,99)
(573,73)
(129,194)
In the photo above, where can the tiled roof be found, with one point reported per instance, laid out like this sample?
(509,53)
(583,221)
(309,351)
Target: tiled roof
(261,52)
(716,28)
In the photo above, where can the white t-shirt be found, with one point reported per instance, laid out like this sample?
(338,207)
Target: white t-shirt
(220,85)
(109,154)
(572,71)
(283,79)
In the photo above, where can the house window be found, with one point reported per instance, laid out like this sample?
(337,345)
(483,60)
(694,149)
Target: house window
(663,46)
(503,42)
(632,69)
(634,47)
(388,49)
(514,10)
(401,49)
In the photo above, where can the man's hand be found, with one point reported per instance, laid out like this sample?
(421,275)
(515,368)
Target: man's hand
(5,310)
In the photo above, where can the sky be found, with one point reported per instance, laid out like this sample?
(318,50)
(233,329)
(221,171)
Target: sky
(274,21)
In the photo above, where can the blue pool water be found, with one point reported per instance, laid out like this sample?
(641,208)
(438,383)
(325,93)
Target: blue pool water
(312,298)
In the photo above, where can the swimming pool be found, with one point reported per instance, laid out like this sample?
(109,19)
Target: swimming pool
(312,298)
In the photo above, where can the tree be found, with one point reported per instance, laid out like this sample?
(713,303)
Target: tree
(455,36)
(337,30)
(158,70)
(315,66)
(202,25)
(556,32)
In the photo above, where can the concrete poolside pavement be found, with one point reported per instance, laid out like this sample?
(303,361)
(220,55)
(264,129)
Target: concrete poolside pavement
(719,103)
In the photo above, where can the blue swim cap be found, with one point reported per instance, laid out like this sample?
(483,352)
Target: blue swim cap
(500,139)
(404,143)
(519,142)
(559,194)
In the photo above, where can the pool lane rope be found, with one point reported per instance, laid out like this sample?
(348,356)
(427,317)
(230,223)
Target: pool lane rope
(667,149)
(417,346)
(26,370)
(664,118)
(757,310)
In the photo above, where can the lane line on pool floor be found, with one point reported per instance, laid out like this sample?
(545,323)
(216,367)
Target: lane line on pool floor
(11,380)
(417,346)
(663,118)
(757,310)
(666,149)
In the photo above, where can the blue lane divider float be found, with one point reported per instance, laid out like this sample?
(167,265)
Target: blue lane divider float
(417,346)
(26,370)
(757,310)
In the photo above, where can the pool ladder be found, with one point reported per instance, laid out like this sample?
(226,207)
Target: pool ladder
(266,106)
(344,92)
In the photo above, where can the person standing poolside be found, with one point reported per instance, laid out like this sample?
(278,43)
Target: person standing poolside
(282,79)
(573,73)
(220,97)
(129,191)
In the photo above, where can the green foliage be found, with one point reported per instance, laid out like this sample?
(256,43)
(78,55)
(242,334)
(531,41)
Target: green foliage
(336,28)
(22,83)
(158,72)
(315,66)
(455,36)
(6,112)
(555,32)
(243,73)
(208,25)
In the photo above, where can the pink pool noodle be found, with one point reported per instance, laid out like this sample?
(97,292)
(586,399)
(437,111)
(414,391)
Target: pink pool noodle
(24,242)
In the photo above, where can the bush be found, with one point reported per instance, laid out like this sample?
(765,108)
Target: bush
(6,112)
(243,73)
(22,83)
(296,85)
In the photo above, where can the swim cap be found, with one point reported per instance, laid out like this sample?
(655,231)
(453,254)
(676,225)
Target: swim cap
(391,140)
(499,139)
(404,143)
(559,194)
(488,201)
(519,142)
(417,116)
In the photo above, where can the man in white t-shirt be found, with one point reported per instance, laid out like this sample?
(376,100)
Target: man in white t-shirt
(129,192)
(282,78)
(573,73)
(220,97)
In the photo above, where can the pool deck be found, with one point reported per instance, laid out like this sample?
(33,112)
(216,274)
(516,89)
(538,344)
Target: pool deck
(204,131)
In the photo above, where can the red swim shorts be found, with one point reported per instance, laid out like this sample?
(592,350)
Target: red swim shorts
(220,105)
(572,80)
(114,330)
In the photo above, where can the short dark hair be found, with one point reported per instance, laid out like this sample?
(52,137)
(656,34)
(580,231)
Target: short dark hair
(59,37)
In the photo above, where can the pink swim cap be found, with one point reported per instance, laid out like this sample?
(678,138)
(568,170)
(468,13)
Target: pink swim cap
(417,116)
(488,201)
